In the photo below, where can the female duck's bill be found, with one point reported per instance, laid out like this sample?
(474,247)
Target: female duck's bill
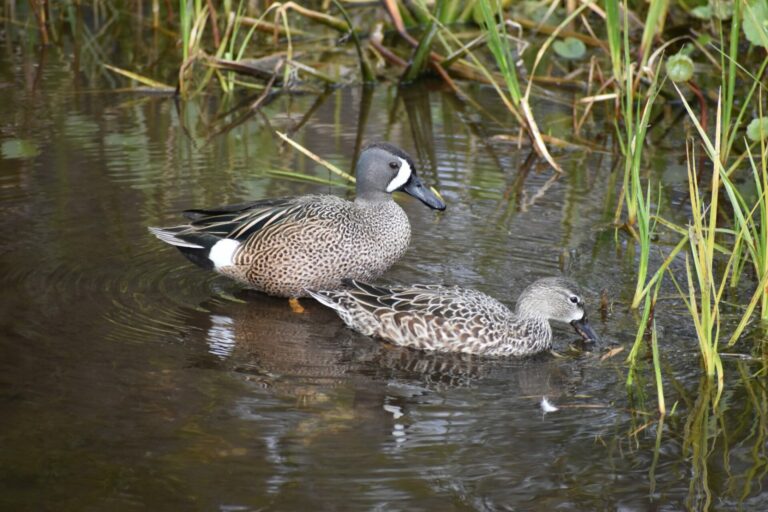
(584,329)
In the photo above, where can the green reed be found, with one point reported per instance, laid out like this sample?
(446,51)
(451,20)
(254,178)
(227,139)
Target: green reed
(498,44)
(728,76)
(753,221)
(715,251)
(421,55)
(638,205)
(613,29)
(704,296)
(648,322)
(189,10)
(654,24)
(631,191)
(366,70)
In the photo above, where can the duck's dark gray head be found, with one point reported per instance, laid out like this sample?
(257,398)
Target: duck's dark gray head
(556,298)
(383,168)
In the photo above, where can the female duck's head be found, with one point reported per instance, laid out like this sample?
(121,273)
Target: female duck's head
(556,298)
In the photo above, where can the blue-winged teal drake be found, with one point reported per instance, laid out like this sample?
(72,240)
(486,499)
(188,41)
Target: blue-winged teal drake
(453,319)
(288,245)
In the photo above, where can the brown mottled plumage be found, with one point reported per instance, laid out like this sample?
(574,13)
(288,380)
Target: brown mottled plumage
(453,319)
(285,246)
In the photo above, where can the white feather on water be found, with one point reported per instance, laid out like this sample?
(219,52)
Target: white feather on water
(547,406)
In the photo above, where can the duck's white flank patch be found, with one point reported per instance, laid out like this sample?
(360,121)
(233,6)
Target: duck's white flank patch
(223,252)
(403,175)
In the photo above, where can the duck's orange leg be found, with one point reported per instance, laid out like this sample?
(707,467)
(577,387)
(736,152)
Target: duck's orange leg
(296,307)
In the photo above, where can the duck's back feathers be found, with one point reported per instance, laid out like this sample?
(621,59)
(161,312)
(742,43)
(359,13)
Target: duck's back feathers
(240,222)
(201,213)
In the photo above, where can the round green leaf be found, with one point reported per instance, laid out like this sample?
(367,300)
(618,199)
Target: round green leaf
(679,68)
(570,48)
(755,24)
(758,129)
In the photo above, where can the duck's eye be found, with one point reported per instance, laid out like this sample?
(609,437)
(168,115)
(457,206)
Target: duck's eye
(574,299)
(394,165)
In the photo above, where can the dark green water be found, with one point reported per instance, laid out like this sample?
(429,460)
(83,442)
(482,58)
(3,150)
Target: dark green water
(132,380)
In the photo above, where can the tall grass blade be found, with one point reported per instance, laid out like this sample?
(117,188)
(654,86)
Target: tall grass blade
(654,23)
(185,26)
(366,70)
(499,46)
(149,82)
(421,55)
(328,165)
(613,28)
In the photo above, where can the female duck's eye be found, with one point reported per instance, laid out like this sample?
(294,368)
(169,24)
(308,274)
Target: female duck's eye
(574,299)
(394,165)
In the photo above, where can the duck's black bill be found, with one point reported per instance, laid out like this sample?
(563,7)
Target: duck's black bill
(415,187)
(584,329)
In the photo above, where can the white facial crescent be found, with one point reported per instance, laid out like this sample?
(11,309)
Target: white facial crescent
(403,175)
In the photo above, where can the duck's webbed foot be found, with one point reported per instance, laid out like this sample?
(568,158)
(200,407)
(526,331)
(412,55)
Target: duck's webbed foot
(296,307)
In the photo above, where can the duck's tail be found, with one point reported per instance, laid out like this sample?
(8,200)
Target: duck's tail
(201,248)
(326,298)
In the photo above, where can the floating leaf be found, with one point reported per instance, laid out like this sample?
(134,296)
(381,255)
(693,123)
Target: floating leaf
(679,68)
(755,24)
(570,48)
(703,12)
(758,129)
(19,148)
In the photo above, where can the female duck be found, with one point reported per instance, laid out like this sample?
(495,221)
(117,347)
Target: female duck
(286,246)
(453,319)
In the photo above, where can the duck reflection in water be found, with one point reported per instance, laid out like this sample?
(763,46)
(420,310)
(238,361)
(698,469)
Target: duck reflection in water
(347,380)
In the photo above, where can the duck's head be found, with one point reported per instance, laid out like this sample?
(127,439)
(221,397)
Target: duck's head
(556,298)
(383,168)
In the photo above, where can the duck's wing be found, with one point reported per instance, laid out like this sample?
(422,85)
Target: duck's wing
(437,300)
(430,317)
(238,222)
(199,214)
